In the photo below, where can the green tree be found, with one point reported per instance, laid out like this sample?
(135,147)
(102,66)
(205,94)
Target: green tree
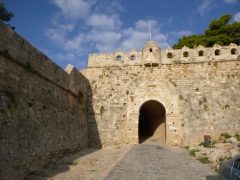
(218,32)
(5,15)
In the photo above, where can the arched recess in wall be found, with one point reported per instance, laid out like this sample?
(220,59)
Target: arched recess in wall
(217,52)
(151,90)
(233,51)
(152,122)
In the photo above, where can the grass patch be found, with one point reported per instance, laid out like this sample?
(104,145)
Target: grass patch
(187,147)
(237,136)
(204,160)
(192,152)
(226,135)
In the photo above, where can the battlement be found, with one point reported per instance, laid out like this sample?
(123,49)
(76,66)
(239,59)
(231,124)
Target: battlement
(169,56)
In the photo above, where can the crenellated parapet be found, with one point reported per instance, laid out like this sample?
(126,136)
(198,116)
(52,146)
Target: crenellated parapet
(152,55)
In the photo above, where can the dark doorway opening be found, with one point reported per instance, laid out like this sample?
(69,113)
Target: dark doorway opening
(151,125)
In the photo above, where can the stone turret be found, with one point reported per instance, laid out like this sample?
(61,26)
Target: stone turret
(151,54)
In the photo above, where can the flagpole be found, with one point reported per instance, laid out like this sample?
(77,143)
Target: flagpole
(150,32)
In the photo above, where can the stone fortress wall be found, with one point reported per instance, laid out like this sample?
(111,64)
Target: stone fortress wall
(46,112)
(43,113)
(198,89)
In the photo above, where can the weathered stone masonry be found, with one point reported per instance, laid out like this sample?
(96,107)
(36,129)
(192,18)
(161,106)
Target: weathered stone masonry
(197,87)
(43,113)
(172,96)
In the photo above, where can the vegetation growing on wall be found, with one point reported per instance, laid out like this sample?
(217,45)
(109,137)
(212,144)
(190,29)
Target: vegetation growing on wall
(102,111)
(14,101)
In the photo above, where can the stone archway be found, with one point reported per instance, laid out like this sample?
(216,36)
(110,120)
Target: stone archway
(152,122)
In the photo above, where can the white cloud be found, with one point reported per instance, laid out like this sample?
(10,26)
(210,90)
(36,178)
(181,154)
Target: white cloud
(237,17)
(230,1)
(104,41)
(64,57)
(103,21)
(57,34)
(205,6)
(184,33)
(97,29)
(73,8)
(136,37)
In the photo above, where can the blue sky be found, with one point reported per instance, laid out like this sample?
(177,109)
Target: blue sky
(68,30)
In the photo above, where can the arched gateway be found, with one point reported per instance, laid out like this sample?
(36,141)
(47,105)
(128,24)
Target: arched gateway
(152,114)
(152,122)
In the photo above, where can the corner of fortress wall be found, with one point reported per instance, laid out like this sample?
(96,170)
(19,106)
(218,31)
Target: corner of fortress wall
(43,110)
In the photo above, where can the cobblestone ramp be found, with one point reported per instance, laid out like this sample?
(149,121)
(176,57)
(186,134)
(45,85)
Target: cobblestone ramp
(146,161)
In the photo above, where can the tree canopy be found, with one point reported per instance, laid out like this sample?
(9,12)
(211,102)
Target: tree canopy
(218,32)
(5,15)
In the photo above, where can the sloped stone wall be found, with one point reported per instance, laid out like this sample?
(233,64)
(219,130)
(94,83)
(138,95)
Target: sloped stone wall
(43,113)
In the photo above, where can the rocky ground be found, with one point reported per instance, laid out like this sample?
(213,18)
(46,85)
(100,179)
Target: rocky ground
(221,149)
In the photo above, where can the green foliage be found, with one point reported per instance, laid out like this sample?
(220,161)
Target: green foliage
(29,66)
(215,64)
(182,125)
(193,151)
(173,83)
(101,111)
(201,143)
(237,136)
(197,89)
(226,135)
(110,95)
(219,32)
(5,15)
(127,92)
(6,51)
(204,160)
(32,103)
(204,99)
(238,57)
(205,107)
(200,102)
(14,101)
(187,147)
(180,97)
(227,106)
(221,159)
(213,143)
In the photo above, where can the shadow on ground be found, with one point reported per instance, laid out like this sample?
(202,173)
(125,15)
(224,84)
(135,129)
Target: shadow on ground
(212,177)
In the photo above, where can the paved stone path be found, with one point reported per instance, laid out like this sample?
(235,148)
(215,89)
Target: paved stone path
(142,161)
(146,161)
